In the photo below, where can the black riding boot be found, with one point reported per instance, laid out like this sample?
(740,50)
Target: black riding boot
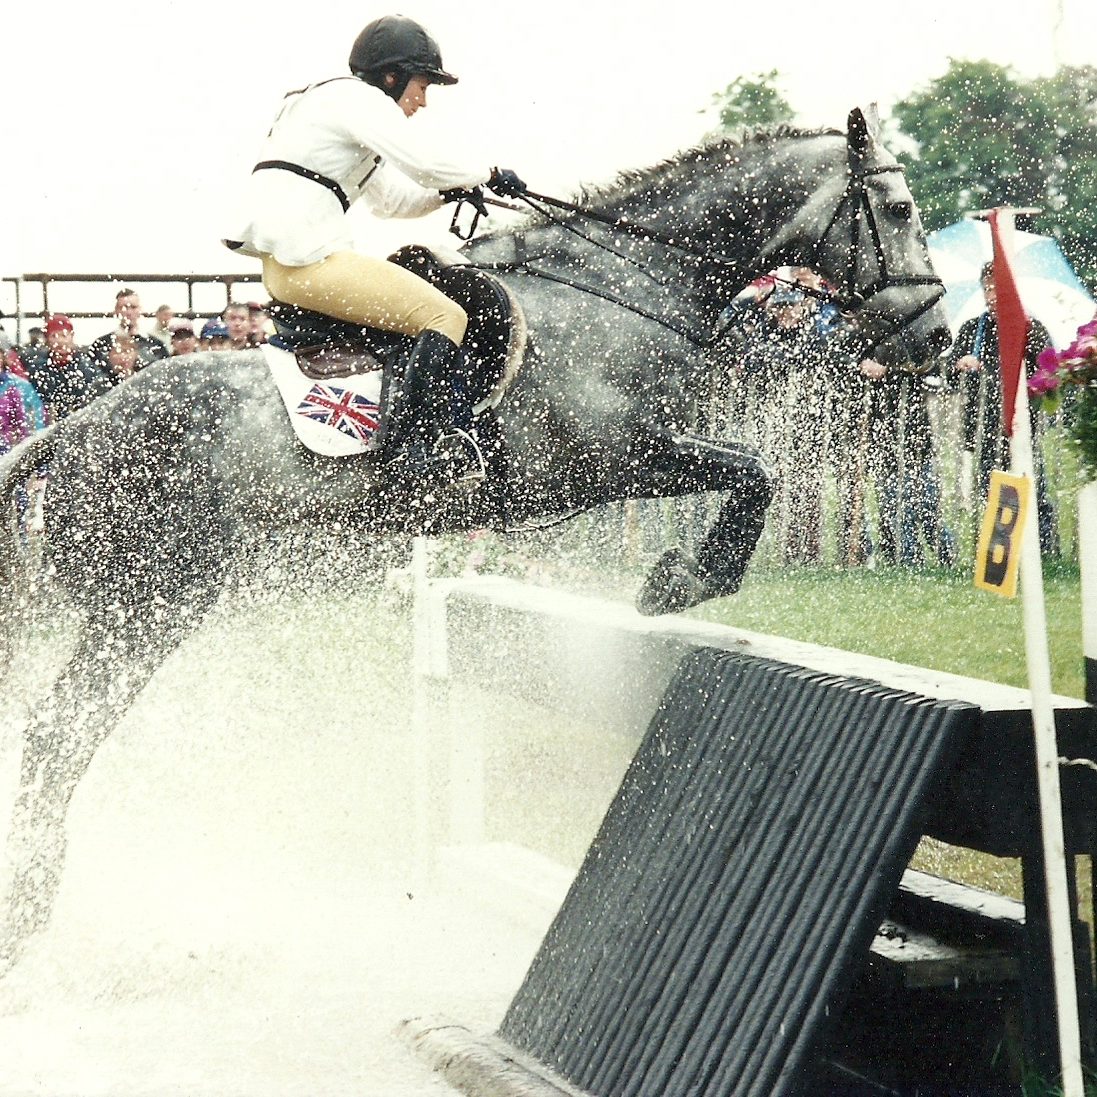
(429,431)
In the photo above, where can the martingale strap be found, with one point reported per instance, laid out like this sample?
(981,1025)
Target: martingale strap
(307,173)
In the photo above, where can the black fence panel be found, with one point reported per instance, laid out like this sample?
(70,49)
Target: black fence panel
(736,883)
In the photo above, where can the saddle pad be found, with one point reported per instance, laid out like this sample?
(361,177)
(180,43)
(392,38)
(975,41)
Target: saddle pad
(334,417)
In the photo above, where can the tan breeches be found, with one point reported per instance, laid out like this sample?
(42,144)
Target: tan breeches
(366,291)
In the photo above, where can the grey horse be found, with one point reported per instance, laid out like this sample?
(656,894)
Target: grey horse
(155,488)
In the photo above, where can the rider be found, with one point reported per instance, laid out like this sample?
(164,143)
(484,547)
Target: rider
(333,143)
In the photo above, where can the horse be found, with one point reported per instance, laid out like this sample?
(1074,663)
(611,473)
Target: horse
(156,488)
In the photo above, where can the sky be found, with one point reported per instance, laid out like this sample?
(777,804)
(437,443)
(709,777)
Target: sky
(129,129)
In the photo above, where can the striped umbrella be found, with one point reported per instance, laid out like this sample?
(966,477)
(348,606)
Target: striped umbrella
(1050,290)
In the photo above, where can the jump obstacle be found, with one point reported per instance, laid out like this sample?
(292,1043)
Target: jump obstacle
(745,922)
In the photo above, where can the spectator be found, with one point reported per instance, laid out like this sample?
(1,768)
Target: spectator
(127,309)
(786,360)
(65,377)
(974,367)
(21,414)
(21,409)
(796,390)
(260,323)
(215,335)
(237,319)
(123,357)
(162,327)
(183,339)
(851,421)
(9,356)
(904,468)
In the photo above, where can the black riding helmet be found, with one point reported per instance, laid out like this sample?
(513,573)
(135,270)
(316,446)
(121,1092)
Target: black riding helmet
(397,44)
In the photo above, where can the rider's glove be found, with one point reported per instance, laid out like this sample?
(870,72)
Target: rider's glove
(473,195)
(506,183)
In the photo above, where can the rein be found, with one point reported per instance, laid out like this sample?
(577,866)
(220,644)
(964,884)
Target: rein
(631,228)
(523,267)
(623,224)
(854,197)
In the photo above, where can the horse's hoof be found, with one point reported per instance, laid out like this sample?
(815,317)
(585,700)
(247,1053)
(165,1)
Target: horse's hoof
(672,585)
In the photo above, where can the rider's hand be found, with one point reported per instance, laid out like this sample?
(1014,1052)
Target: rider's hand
(506,183)
(969,364)
(473,195)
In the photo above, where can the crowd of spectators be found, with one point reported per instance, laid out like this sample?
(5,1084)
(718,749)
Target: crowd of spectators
(50,376)
(850,436)
(836,425)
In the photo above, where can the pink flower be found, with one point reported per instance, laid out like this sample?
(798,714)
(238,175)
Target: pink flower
(1073,357)
(1086,344)
(1043,382)
(1048,360)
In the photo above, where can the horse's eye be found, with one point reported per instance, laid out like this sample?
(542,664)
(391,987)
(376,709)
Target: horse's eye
(901,211)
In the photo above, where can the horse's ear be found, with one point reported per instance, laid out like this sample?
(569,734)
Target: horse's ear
(857,133)
(863,127)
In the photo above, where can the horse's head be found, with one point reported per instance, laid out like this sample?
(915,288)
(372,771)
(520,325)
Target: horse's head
(860,228)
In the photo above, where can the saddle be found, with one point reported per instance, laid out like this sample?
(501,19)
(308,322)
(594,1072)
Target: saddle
(353,368)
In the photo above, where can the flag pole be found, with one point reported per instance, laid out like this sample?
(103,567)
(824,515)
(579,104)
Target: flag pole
(1043,712)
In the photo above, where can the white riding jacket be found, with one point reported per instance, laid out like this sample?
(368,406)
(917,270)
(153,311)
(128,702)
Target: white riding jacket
(332,144)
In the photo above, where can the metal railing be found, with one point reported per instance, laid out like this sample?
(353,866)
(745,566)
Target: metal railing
(22,311)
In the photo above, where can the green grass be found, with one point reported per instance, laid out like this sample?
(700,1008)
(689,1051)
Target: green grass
(927,618)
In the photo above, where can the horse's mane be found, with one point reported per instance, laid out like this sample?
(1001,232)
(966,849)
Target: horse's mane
(628,180)
(719,147)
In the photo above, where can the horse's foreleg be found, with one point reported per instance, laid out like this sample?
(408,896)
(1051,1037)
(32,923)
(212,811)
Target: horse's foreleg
(99,684)
(691,464)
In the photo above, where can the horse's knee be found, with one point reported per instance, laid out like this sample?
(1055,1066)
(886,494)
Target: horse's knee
(757,478)
(768,480)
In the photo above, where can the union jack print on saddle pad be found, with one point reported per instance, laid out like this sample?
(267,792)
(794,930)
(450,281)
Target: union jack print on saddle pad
(336,419)
(358,416)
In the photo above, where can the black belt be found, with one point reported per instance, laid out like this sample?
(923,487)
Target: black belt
(307,173)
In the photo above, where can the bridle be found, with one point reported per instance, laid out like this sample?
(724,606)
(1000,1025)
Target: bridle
(862,217)
(848,299)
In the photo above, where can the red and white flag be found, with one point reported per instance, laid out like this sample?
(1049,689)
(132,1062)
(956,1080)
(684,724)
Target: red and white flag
(1012,325)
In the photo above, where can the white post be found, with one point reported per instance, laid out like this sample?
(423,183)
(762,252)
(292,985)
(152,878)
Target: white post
(1047,751)
(421,706)
(1087,557)
(464,776)
(19,309)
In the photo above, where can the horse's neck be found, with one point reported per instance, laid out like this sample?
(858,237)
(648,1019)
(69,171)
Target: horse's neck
(750,189)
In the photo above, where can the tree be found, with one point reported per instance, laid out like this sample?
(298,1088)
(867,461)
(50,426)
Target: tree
(985,137)
(752,103)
